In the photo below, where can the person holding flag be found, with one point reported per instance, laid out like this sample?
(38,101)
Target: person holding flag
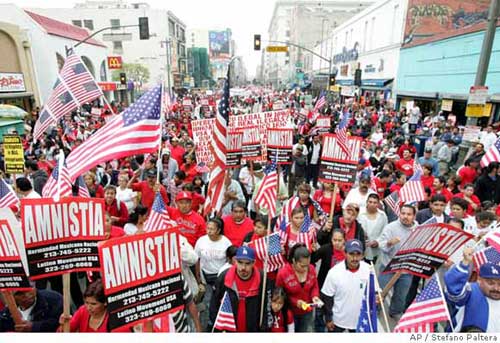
(343,289)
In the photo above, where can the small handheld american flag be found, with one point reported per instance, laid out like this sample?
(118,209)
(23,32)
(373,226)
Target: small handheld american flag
(341,132)
(225,318)
(158,218)
(275,258)
(7,195)
(267,193)
(488,255)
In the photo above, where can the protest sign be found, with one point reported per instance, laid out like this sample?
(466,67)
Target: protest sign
(61,237)
(141,276)
(252,148)
(12,273)
(234,149)
(337,166)
(323,124)
(280,144)
(13,154)
(202,137)
(427,248)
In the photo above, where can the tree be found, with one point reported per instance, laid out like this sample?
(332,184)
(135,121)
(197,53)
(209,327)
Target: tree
(134,71)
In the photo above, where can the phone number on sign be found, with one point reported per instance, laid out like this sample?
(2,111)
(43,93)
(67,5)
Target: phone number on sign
(147,313)
(146,295)
(68,266)
(65,252)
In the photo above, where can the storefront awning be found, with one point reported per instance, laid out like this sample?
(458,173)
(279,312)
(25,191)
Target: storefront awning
(15,95)
(375,83)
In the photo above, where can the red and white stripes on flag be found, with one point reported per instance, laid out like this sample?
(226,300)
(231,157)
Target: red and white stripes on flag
(428,308)
(215,190)
(58,184)
(270,250)
(413,190)
(159,218)
(225,318)
(341,132)
(492,155)
(135,131)
(493,239)
(74,87)
(267,193)
(7,195)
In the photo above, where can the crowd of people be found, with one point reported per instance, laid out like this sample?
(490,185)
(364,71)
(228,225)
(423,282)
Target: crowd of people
(321,285)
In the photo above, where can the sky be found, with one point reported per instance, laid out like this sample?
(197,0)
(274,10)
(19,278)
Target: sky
(245,18)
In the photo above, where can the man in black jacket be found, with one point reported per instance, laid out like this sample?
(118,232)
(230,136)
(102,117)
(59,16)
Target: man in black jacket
(436,210)
(38,176)
(244,284)
(488,184)
(347,222)
(314,149)
(40,310)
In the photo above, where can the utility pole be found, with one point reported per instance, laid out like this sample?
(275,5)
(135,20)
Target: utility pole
(484,58)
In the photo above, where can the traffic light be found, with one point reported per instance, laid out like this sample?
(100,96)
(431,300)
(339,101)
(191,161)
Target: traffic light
(256,42)
(331,80)
(123,78)
(357,77)
(143,28)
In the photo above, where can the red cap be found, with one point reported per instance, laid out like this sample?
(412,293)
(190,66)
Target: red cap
(183,196)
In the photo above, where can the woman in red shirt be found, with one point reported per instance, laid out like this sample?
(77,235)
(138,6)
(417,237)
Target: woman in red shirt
(93,316)
(427,179)
(324,198)
(468,195)
(293,235)
(298,279)
(189,167)
(117,211)
(95,190)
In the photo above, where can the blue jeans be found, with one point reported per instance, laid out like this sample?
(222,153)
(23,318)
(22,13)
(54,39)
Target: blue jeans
(304,322)
(399,291)
(319,322)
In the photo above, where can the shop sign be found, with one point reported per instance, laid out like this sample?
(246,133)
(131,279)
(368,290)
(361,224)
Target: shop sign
(12,82)
(347,91)
(446,105)
(369,68)
(107,86)
(478,110)
(478,95)
(115,62)
(347,55)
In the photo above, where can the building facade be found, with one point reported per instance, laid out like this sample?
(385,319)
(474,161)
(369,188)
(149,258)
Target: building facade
(440,57)
(34,49)
(164,50)
(302,23)
(369,41)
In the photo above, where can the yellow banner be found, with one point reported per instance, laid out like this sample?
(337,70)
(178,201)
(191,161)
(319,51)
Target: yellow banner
(478,110)
(14,154)
(276,48)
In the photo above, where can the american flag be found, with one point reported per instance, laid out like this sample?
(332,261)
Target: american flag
(286,212)
(83,191)
(493,239)
(7,195)
(413,189)
(135,131)
(417,167)
(488,255)
(275,258)
(74,87)
(215,190)
(492,155)
(317,107)
(158,218)
(367,321)
(267,193)
(428,308)
(58,179)
(393,202)
(341,132)
(225,318)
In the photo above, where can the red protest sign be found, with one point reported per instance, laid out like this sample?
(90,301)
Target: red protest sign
(337,166)
(323,124)
(61,237)
(252,145)
(12,274)
(280,144)
(234,149)
(141,276)
(427,248)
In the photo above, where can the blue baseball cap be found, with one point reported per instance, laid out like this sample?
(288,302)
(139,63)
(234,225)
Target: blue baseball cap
(489,271)
(353,245)
(245,253)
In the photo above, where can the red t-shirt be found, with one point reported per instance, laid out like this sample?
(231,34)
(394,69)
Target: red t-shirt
(326,202)
(447,194)
(191,224)
(381,187)
(468,175)
(349,231)
(474,198)
(279,324)
(80,322)
(198,199)
(190,172)
(177,153)
(242,286)
(405,167)
(148,193)
(236,232)
(427,181)
(395,187)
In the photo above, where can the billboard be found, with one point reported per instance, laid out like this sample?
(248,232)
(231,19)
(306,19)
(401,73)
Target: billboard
(432,20)
(219,42)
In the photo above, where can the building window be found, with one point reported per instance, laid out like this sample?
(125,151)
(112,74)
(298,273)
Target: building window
(395,20)
(372,31)
(182,34)
(115,23)
(365,34)
(118,47)
(171,28)
(77,23)
(89,24)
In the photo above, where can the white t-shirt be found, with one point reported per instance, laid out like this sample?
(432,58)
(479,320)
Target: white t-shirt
(212,254)
(127,197)
(493,315)
(347,290)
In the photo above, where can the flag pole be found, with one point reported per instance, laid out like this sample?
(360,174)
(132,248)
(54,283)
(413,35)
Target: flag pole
(441,290)
(12,306)
(265,270)
(334,198)
(162,108)
(377,290)
(60,164)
